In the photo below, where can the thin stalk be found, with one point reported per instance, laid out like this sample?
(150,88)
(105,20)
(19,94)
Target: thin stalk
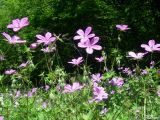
(99,68)
(151,56)
(145,102)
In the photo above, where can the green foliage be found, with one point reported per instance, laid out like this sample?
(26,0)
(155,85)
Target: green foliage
(58,76)
(130,97)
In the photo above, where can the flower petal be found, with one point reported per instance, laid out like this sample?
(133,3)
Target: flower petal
(16,29)
(77,37)
(94,40)
(81,45)
(7,36)
(146,47)
(16,22)
(80,32)
(10,26)
(24,22)
(40,37)
(97,47)
(151,43)
(132,54)
(48,35)
(91,35)
(89,50)
(88,30)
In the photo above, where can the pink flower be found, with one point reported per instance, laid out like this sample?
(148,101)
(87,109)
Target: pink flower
(13,40)
(18,93)
(158,93)
(33,45)
(100,59)
(112,92)
(48,49)
(10,72)
(90,45)
(95,84)
(18,24)
(144,72)
(104,111)
(47,87)
(83,36)
(47,39)
(29,94)
(99,94)
(44,105)
(1,117)
(117,81)
(77,61)
(23,65)
(34,90)
(2,57)
(58,88)
(71,88)
(122,27)
(127,70)
(136,56)
(96,77)
(152,46)
(152,63)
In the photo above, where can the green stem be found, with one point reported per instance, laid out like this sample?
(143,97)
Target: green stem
(151,56)
(137,67)
(145,101)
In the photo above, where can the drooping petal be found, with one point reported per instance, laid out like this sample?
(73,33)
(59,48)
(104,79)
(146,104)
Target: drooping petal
(77,37)
(7,36)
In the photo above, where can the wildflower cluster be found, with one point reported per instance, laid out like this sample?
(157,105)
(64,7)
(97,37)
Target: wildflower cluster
(99,89)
